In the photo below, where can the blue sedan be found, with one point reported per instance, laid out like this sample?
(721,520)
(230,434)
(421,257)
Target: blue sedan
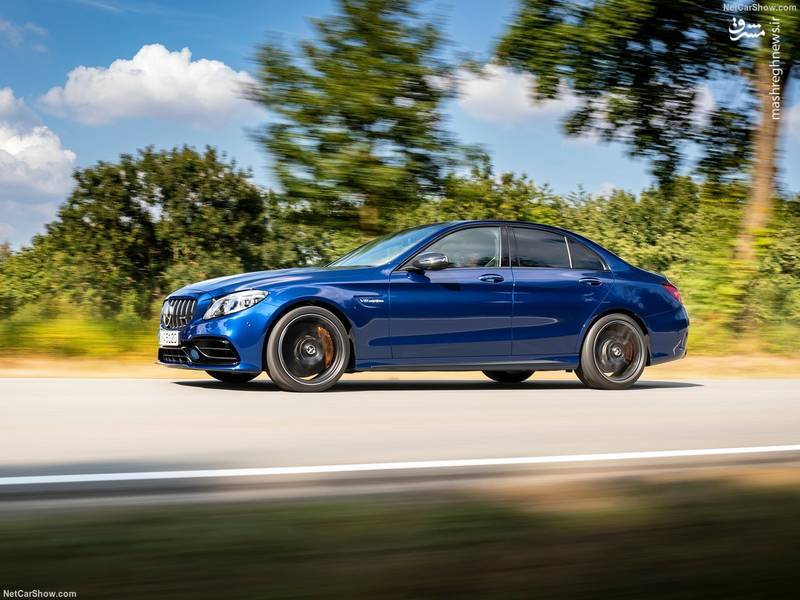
(505,298)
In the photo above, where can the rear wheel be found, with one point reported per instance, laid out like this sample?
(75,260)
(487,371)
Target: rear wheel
(508,376)
(308,350)
(232,376)
(614,353)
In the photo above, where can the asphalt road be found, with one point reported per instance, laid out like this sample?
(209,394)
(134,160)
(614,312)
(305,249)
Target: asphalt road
(58,426)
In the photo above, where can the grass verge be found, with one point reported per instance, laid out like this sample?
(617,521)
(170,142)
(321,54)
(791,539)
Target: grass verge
(688,539)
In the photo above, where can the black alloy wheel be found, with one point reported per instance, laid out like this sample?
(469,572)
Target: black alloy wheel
(614,353)
(508,376)
(308,350)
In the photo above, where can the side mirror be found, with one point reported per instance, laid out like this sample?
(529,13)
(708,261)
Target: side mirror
(430,261)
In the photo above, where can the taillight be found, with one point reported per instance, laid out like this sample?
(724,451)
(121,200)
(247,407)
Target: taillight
(673,291)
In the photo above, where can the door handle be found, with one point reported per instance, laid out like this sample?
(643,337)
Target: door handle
(590,281)
(492,278)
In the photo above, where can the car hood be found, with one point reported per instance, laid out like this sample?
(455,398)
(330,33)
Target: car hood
(261,279)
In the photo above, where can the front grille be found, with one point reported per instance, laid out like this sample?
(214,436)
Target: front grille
(173,356)
(177,312)
(217,351)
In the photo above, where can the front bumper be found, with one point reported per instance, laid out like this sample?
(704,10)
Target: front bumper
(232,343)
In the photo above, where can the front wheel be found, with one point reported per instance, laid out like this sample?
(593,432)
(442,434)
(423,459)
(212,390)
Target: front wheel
(232,376)
(308,350)
(614,353)
(508,376)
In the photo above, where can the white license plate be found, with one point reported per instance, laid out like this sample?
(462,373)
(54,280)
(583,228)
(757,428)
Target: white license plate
(169,338)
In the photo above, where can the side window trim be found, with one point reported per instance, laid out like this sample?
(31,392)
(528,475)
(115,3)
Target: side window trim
(515,254)
(597,254)
(404,266)
(569,252)
(505,247)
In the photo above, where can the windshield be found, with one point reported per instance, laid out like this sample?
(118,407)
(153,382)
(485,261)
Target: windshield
(384,249)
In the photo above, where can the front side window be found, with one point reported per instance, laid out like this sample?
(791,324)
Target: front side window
(584,258)
(537,248)
(475,248)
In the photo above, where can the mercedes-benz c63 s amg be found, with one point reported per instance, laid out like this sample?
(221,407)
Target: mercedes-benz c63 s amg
(505,298)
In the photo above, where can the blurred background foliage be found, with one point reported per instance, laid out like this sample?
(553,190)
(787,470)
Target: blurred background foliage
(358,145)
(93,283)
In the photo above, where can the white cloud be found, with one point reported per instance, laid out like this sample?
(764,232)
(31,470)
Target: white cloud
(501,95)
(14,110)
(35,169)
(154,83)
(14,35)
(607,188)
(32,159)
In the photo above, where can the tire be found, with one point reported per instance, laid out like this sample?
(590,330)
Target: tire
(308,350)
(232,376)
(508,376)
(614,353)
(579,375)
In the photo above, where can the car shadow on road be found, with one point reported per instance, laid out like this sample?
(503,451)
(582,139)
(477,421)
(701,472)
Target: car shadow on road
(390,385)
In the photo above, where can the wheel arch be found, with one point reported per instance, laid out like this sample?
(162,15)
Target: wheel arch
(322,303)
(615,311)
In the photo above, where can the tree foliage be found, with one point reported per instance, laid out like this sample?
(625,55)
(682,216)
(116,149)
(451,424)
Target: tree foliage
(634,66)
(358,148)
(637,67)
(356,135)
(137,228)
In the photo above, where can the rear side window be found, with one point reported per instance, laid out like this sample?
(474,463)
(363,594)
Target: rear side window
(537,248)
(584,258)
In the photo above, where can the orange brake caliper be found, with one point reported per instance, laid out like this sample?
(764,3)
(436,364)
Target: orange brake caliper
(327,345)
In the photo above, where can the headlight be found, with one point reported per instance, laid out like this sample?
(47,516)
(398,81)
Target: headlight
(233,303)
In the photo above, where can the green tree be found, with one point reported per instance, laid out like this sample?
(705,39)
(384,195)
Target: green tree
(650,231)
(356,135)
(636,67)
(6,293)
(103,243)
(210,218)
(484,194)
(134,229)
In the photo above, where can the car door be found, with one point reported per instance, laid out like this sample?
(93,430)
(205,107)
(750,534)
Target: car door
(461,311)
(553,298)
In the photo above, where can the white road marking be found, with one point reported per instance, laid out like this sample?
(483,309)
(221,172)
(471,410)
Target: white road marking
(388,466)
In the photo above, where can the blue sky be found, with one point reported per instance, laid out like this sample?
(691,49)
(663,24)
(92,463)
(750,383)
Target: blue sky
(52,109)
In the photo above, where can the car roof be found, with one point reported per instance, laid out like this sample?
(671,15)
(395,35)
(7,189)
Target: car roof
(507,222)
(611,258)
